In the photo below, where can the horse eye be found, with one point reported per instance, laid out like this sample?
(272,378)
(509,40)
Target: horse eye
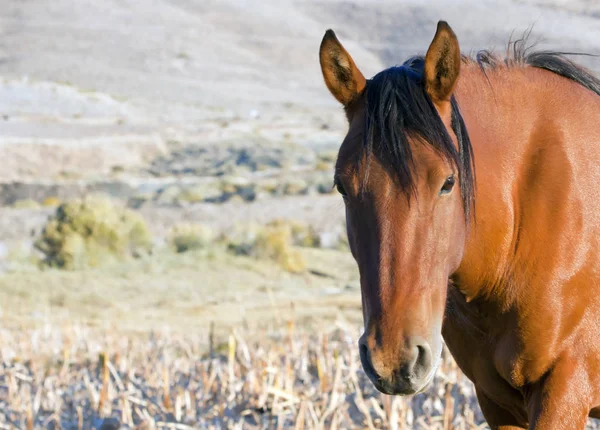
(448,185)
(340,189)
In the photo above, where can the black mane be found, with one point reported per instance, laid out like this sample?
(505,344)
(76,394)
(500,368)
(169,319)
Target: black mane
(519,54)
(397,107)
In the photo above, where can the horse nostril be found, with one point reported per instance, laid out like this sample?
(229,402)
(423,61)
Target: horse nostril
(424,355)
(365,358)
(407,375)
(417,361)
(421,363)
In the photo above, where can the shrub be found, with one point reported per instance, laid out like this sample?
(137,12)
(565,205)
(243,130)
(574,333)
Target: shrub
(92,232)
(302,234)
(187,237)
(275,242)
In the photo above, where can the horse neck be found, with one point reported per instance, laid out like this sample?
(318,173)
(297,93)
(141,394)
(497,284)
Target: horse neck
(499,111)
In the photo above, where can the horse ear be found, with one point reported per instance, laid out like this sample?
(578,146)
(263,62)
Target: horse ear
(341,75)
(442,64)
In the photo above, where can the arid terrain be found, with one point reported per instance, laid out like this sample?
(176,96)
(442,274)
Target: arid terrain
(210,120)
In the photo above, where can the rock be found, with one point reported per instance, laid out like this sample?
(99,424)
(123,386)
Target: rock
(247,193)
(220,160)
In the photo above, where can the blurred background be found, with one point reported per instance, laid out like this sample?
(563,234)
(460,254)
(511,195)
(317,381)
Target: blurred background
(172,252)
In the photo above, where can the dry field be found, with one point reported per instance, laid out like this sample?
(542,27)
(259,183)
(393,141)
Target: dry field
(201,116)
(163,343)
(76,378)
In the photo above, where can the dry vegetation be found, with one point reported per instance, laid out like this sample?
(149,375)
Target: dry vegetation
(97,232)
(120,369)
(262,363)
(270,378)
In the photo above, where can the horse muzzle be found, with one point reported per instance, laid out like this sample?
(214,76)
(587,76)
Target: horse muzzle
(411,374)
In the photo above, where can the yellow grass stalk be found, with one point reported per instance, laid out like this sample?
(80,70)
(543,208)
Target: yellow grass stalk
(300,417)
(79,418)
(231,363)
(29,419)
(167,389)
(105,380)
(448,408)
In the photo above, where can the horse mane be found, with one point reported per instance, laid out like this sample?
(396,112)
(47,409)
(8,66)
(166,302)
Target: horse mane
(519,53)
(397,108)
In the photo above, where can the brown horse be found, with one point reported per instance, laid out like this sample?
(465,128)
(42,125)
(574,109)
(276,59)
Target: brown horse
(504,264)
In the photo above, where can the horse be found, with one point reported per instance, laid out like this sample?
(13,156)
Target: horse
(471,190)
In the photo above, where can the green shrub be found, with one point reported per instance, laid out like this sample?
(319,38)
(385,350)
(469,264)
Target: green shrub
(275,242)
(92,232)
(187,237)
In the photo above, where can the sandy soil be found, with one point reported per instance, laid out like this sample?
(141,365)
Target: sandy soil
(184,293)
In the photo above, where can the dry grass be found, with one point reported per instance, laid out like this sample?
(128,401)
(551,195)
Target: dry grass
(75,378)
(275,242)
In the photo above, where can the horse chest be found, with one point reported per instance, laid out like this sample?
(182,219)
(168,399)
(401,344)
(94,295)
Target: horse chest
(493,363)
